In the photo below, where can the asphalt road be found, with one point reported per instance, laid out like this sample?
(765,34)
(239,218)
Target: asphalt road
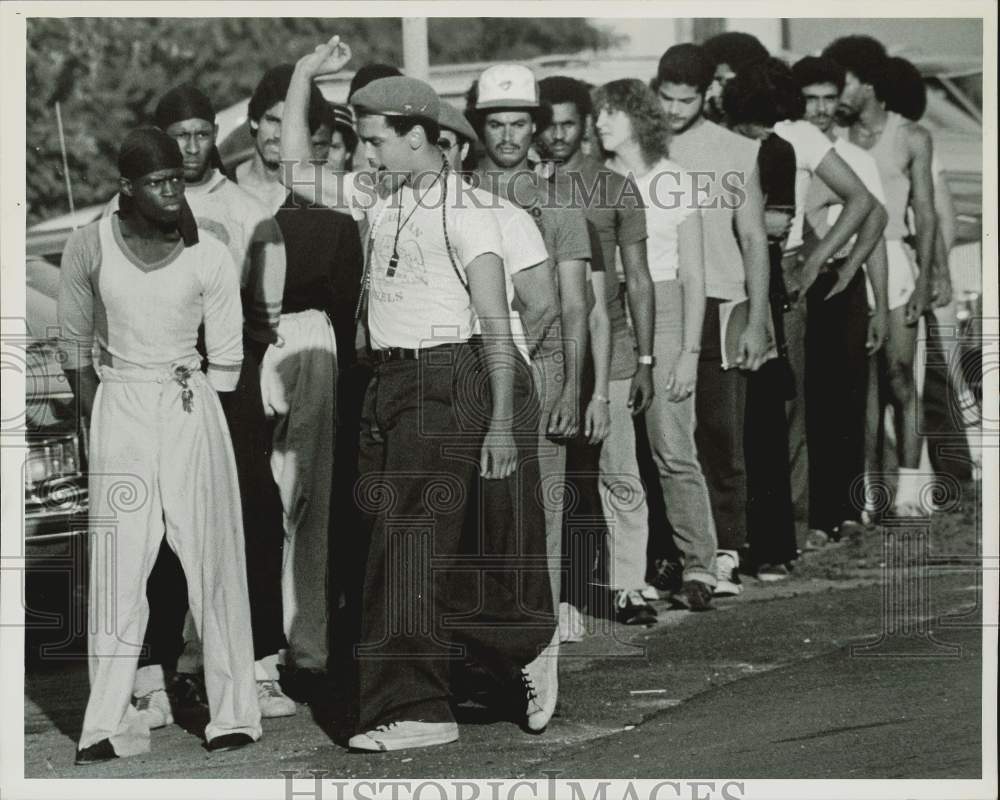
(764,686)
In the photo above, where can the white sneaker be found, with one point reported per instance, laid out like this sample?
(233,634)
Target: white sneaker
(571,626)
(274,702)
(729,579)
(540,681)
(405,734)
(650,593)
(154,708)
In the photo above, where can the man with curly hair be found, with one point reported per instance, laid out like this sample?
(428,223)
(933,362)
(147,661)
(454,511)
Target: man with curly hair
(903,152)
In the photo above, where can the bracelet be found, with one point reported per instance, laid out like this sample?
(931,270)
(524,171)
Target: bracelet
(650,360)
(601,398)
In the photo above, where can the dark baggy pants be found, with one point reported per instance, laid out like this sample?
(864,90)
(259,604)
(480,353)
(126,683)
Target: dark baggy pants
(263,535)
(770,515)
(770,511)
(836,389)
(720,408)
(424,603)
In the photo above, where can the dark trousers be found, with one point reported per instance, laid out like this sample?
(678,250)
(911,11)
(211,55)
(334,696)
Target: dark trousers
(770,515)
(720,408)
(421,435)
(263,532)
(836,388)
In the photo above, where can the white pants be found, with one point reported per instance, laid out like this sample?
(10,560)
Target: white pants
(902,277)
(298,385)
(157,469)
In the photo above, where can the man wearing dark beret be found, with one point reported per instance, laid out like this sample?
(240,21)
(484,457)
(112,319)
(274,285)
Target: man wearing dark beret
(437,406)
(138,284)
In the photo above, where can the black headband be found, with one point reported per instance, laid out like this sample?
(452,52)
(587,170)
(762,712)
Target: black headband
(147,150)
(187,102)
(181,103)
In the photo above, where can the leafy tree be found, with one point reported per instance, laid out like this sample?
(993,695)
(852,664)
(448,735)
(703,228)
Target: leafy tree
(107,74)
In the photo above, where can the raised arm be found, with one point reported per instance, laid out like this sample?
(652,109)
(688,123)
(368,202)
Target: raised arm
(309,181)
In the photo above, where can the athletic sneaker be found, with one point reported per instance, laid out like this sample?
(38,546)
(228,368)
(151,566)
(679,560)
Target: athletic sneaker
(632,609)
(403,735)
(154,708)
(274,702)
(816,540)
(650,593)
(728,575)
(769,573)
(851,531)
(571,625)
(540,683)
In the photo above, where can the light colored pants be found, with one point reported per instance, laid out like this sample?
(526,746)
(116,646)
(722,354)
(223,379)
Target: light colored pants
(670,427)
(549,379)
(157,469)
(298,386)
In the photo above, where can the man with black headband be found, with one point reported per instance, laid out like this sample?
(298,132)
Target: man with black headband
(140,283)
(227,212)
(433,413)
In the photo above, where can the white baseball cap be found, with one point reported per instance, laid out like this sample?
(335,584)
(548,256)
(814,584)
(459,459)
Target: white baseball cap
(507,86)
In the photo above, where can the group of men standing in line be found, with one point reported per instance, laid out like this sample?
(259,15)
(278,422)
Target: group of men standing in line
(441,359)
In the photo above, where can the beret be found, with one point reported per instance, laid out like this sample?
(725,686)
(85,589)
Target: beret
(454,120)
(398,96)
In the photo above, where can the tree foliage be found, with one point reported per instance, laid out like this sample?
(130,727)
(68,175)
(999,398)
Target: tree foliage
(107,74)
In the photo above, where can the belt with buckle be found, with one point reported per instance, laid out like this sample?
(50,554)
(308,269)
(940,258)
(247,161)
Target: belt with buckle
(395,354)
(384,356)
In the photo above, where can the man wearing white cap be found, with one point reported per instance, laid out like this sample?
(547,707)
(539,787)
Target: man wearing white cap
(505,110)
(435,409)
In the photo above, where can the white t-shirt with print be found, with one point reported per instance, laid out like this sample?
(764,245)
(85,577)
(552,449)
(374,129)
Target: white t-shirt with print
(668,194)
(811,147)
(422,302)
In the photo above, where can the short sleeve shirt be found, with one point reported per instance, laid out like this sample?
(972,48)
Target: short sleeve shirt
(811,147)
(668,196)
(720,163)
(419,298)
(563,229)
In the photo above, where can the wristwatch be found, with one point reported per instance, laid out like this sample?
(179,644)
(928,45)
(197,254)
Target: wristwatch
(650,360)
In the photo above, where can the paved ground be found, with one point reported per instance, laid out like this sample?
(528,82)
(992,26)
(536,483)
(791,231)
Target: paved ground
(764,686)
